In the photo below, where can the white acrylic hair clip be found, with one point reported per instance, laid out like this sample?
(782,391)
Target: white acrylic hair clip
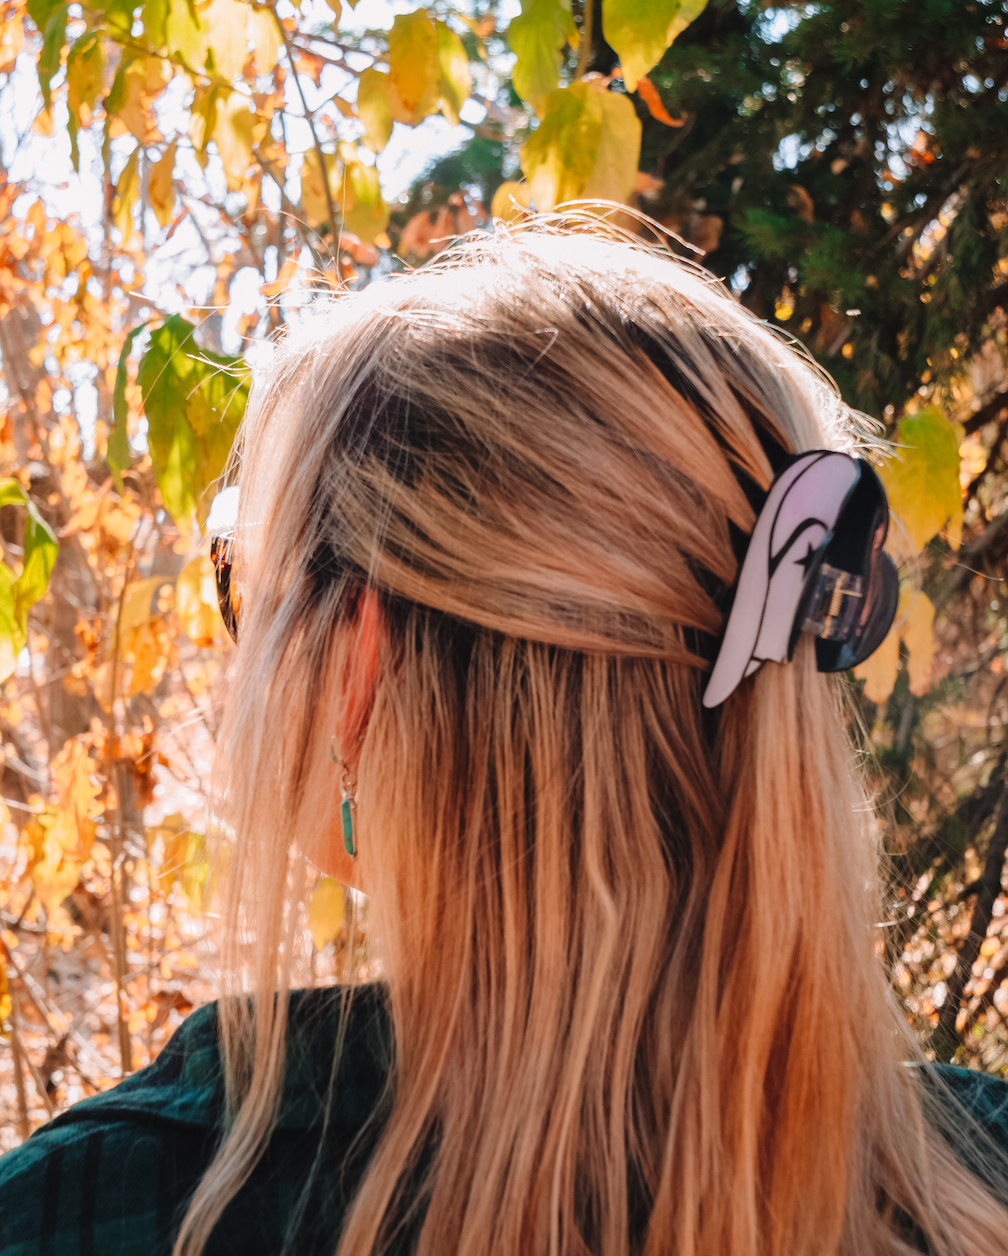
(814,562)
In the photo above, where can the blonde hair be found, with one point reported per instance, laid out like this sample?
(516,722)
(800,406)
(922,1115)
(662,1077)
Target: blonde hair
(627,944)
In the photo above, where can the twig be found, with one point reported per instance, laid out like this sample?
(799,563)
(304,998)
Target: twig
(16,1040)
(118,934)
(992,538)
(39,998)
(584,49)
(330,208)
(289,208)
(23,1127)
(945,1040)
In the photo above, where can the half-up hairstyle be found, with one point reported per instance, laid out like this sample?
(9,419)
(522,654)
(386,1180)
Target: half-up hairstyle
(627,945)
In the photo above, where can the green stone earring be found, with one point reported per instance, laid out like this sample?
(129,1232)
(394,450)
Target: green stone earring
(348,806)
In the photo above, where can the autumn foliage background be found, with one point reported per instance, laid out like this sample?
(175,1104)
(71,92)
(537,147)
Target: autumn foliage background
(179,180)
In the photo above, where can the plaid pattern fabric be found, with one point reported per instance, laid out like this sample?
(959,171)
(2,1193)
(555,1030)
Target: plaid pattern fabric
(112,1175)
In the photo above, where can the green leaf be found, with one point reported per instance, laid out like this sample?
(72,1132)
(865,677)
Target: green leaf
(118,15)
(118,453)
(639,31)
(414,69)
(18,596)
(51,56)
(155,24)
(194,401)
(456,81)
(922,483)
(373,108)
(40,11)
(537,37)
(84,71)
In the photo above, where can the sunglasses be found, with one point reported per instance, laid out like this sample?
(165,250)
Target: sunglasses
(222,557)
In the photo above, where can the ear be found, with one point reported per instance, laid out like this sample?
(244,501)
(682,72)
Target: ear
(360,676)
(362,669)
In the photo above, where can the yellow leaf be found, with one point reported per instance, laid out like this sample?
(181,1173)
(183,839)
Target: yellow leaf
(226,23)
(559,155)
(373,108)
(456,81)
(237,130)
(76,791)
(174,834)
(137,603)
(913,626)
(639,31)
(186,36)
(325,912)
(127,103)
(414,70)
(922,482)
(536,37)
(162,192)
(266,41)
(43,124)
(11,42)
(337,9)
(615,170)
(203,119)
(126,195)
(84,72)
(917,632)
(151,649)
(510,201)
(360,203)
(587,144)
(55,875)
(283,280)
(196,602)
(313,199)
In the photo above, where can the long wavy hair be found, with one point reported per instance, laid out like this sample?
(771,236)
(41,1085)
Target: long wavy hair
(626,944)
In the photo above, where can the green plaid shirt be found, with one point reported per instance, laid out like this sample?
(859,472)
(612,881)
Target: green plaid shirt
(112,1175)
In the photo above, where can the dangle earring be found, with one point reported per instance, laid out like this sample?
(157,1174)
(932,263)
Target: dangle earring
(348,805)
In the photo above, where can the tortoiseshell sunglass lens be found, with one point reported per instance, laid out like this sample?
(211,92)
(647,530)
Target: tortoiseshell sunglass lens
(221,554)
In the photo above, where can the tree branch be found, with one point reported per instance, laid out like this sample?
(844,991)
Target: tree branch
(300,226)
(986,414)
(991,544)
(945,1040)
(330,208)
(584,49)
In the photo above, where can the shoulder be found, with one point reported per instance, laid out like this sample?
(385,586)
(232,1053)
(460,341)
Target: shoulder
(960,1102)
(984,1096)
(114,1172)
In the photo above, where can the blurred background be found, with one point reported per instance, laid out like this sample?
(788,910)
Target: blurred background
(180,180)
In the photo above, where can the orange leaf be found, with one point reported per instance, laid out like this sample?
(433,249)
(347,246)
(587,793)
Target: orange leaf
(647,91)
(283,280)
